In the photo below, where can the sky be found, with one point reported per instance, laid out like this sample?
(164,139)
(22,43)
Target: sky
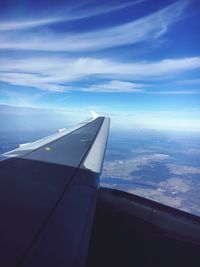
(135,61)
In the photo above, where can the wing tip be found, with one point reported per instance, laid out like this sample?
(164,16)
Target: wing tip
(94,114)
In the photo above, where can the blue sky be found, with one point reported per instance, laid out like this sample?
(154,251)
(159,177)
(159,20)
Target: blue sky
(136,61)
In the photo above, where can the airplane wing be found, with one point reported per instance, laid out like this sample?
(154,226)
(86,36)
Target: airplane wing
(48,192)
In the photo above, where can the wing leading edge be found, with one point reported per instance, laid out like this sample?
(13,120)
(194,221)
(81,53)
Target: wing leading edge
(48,193)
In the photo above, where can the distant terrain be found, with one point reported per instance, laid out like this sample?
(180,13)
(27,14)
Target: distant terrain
(161,166)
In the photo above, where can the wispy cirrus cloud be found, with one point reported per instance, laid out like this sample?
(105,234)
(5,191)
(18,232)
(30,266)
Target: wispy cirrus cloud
(30,80)
(56,73)
(12,97)
(54,68)
(27,24)
(190,82)
(69,13)
(146,28)
(176,92)
(115,86)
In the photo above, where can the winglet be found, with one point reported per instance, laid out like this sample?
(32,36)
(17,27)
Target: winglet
(94,114)
(25,144)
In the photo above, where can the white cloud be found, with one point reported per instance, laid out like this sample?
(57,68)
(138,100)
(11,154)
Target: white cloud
(146,28)
(70,13)
(191,82)
(20,99)
(130,118)
(122,117)
(30,80)
(55,73)
(18,25)
(115,86)
(176,92)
